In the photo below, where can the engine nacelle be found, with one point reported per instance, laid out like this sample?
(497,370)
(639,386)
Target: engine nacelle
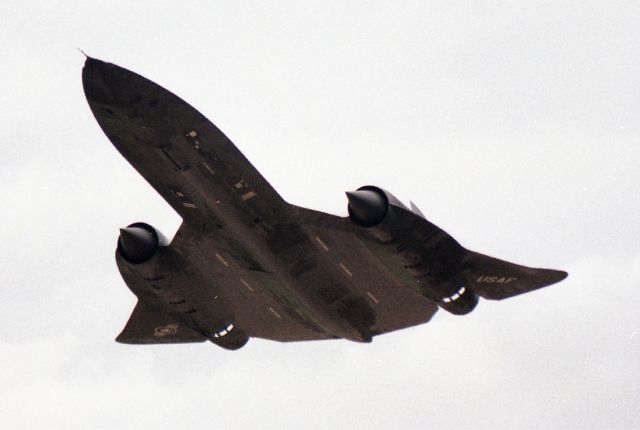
(139,242)
(427,252)
(369,205)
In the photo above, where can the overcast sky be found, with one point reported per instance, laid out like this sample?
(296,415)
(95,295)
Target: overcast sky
(513,125)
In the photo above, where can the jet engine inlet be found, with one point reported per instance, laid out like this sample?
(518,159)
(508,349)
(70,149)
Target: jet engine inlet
(367,206)
(138,243)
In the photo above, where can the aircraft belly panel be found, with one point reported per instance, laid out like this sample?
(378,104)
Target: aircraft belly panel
(395,304)
(259,302)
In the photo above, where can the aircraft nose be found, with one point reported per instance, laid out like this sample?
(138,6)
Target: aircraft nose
(107,83)
(94,70)
(95,82)
(93,64)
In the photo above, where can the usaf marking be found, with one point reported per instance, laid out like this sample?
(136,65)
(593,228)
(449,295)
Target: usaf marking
(494,280)
(166,330)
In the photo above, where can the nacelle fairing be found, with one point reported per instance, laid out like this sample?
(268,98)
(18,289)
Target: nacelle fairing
(155,273)
(429,253)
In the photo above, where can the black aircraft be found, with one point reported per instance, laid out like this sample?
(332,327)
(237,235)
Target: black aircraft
(245,263)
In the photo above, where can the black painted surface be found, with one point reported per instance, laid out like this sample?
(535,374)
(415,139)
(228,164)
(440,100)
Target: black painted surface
(246,264)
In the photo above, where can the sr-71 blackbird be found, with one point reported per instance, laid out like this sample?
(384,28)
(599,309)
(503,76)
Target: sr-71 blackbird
(245,263)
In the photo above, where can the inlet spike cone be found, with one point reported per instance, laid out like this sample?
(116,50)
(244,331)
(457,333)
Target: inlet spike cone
(137,244)
(366,207)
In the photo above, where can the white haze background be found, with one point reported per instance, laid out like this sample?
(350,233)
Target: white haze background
(512,124)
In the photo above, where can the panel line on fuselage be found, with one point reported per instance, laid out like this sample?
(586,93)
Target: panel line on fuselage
(372,297)
(346,270)
(322,244)
(246,284)
(222,260)
(273,311)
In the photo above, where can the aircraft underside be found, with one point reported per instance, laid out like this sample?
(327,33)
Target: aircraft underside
(245,263)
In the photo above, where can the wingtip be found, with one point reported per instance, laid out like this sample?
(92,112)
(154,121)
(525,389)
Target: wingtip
(557,276)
